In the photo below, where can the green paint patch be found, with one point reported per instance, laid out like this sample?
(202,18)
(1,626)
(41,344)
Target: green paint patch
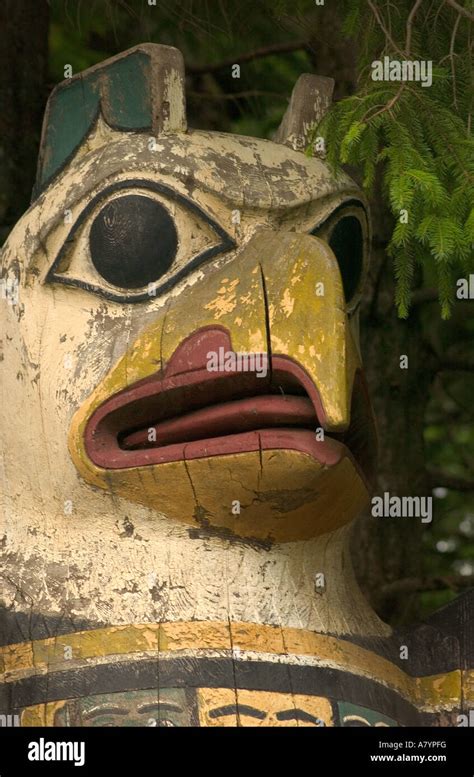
(355,715)
(120,90)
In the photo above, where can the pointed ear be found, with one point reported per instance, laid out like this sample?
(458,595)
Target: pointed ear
(310,99)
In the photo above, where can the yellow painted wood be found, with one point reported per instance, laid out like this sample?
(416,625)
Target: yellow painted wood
(429,693)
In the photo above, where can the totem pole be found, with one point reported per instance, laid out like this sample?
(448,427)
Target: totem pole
(186,433)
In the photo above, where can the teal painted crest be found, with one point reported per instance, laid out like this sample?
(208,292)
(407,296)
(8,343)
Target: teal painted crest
(130,91)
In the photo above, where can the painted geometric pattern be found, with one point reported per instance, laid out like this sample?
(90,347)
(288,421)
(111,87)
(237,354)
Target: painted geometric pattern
(215,674)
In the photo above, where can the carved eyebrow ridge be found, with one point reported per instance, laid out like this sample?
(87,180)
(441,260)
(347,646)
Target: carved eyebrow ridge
(159,705)
(104,710)
(234,709)
(297,714)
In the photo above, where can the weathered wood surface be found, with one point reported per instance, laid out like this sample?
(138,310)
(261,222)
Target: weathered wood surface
(215,580)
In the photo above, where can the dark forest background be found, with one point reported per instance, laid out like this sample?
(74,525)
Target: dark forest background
(424,413)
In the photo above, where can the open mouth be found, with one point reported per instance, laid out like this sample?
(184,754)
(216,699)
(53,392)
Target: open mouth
(197,414)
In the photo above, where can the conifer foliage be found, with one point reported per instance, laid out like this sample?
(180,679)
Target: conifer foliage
(419,137)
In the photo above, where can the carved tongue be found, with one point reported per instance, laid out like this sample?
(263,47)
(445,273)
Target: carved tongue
(241,415)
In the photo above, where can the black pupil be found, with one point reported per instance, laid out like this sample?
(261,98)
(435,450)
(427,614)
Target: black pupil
(133,241)
(347,244)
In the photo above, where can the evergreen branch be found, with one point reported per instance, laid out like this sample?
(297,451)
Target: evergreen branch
(388,105)
(460,9)
(249,56)
(236,95)
(382,26)
(422,151)
(410,20)
(451,57)
(445,139)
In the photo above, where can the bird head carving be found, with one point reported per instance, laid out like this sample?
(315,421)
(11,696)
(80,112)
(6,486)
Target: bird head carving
(186,330)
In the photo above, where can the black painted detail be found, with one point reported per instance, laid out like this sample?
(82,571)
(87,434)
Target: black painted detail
(346,242)
(211,673)
(225,243)
(133,241)
(344,233)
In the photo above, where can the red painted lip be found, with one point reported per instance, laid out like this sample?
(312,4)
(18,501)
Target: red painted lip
(227,418)
(186,412)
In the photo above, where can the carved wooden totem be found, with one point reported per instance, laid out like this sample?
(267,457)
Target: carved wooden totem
(186,429)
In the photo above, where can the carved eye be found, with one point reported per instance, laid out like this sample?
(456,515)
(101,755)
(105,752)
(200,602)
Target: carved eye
(346,232)
(135,240)
(346,241)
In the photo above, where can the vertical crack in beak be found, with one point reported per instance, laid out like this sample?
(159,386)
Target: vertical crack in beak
(301,376)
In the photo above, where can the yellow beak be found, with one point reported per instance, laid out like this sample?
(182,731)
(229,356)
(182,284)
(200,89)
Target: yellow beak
(280,296)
